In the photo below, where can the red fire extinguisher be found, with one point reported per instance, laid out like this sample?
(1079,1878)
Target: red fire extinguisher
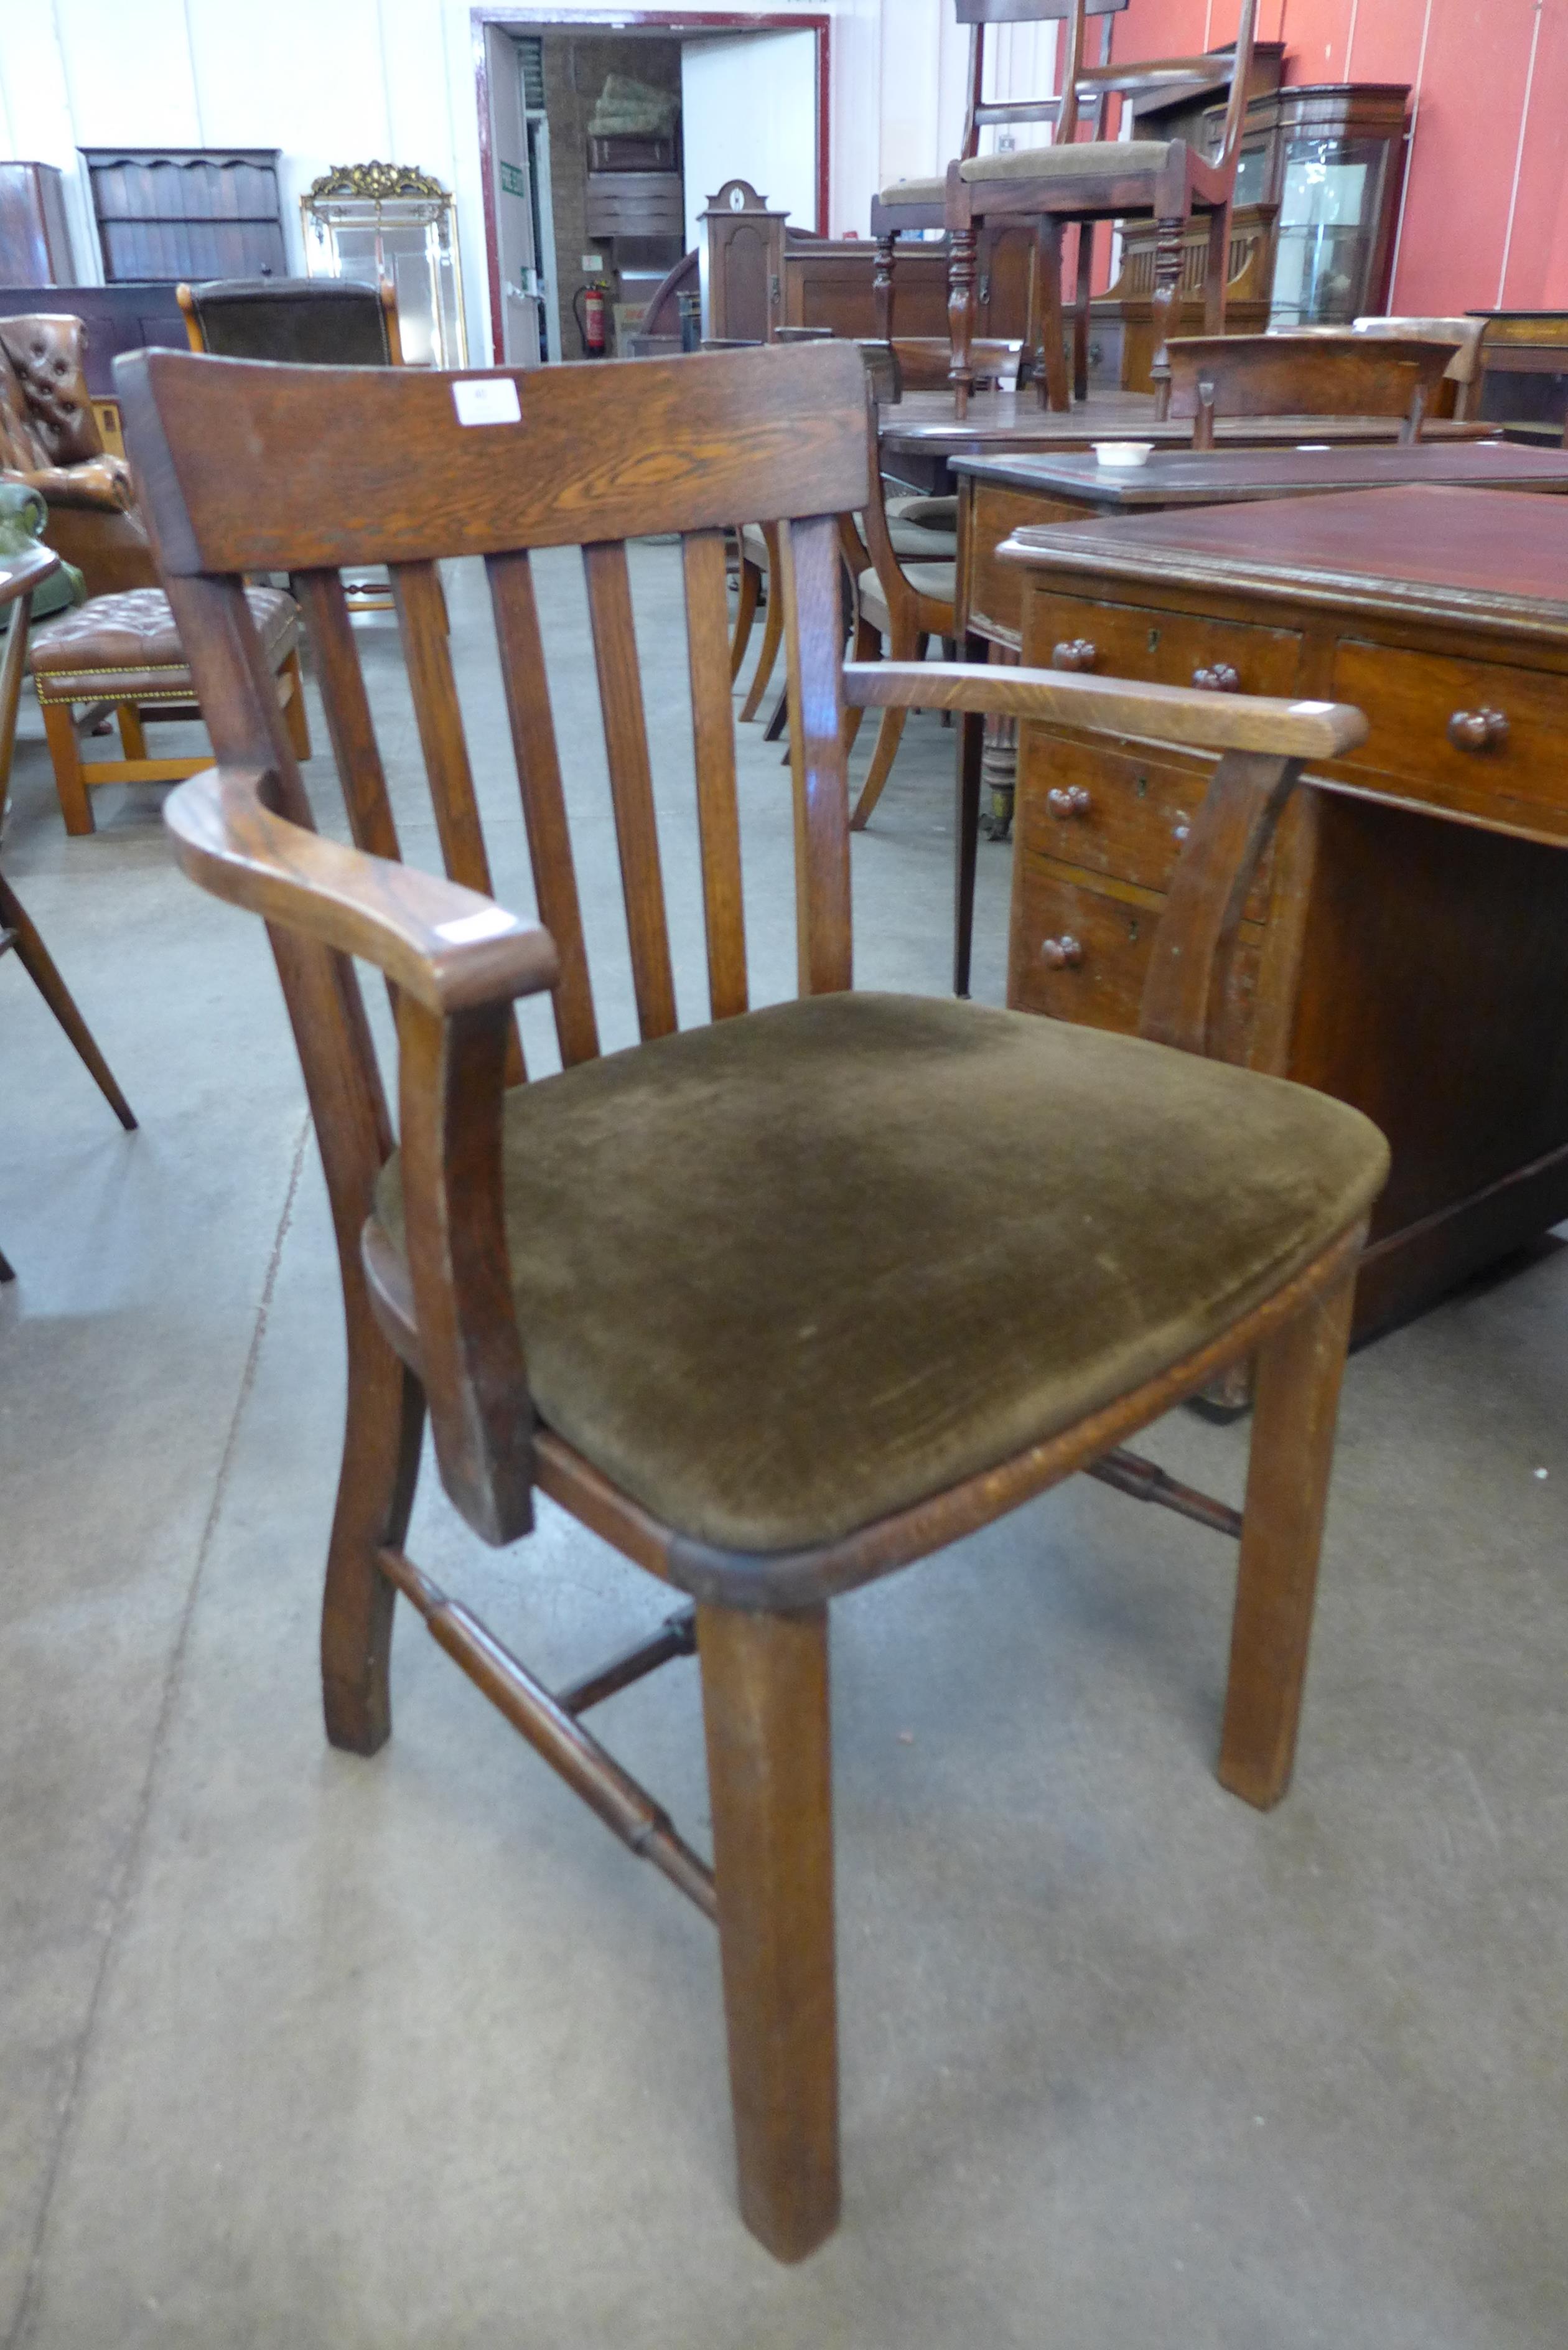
(590,318)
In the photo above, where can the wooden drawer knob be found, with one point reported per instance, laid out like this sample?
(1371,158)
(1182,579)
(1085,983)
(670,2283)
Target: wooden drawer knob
(1079,654)
(1220,678)
(1062,955)
(1478,730)
(1072,801)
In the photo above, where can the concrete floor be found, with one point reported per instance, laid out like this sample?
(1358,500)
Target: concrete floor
(299,2050)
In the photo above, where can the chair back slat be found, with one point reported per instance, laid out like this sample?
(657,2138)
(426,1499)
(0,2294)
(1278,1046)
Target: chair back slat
(813,621)
(438,713)
(538,761)
(631,785)
(349,724)
(713,740)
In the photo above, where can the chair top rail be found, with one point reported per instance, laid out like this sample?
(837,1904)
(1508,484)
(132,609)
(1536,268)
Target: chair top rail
(369,465)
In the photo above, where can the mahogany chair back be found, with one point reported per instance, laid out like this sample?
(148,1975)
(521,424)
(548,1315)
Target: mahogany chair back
(680,445)
(980,15)
(1314,374)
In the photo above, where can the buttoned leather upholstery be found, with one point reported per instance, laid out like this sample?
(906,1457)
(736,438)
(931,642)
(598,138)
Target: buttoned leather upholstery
(49,438)
(127,648)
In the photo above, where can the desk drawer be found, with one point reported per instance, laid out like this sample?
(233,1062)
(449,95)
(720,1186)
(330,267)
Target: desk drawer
(1410,698)
(1165,647)
(1081,953)
(1102,802)
(996,589)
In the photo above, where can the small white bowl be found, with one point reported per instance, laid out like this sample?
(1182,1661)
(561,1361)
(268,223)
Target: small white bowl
(1123,452)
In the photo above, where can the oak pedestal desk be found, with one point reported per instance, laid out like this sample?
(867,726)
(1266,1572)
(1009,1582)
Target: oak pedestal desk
(1407,946)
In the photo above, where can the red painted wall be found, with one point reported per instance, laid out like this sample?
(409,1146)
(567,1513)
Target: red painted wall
(1486,204)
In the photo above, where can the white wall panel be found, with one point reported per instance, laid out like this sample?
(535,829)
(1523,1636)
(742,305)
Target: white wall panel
(127,72)
(332,81)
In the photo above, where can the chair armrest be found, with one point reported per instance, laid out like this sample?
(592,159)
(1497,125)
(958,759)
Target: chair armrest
(1263,744)
(450,949)
(1165,713)
(102,482)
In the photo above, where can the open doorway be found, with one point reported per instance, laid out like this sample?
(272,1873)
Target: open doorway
(602,140)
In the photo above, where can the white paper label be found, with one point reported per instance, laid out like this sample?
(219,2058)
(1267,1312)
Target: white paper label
(490,923)
(486,400)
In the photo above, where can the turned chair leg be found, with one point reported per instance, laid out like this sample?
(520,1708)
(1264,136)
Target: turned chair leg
(960,316)
(773,626)
(1168,235)
(59,727)
(39,965)
(882,285)
(765,1713)
(383,1426)
(749,591)
(1054,389)
(1295,1405)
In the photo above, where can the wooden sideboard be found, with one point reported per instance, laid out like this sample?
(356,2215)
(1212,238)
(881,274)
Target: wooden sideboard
(1121,319)
(1407,948)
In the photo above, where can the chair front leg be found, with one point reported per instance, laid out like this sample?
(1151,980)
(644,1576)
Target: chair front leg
(765,1712)
(1296,1404)
(382,1431)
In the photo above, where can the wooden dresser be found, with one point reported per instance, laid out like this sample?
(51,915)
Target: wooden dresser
(1407,948)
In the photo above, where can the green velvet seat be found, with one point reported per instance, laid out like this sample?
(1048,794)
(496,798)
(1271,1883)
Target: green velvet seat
(962,1230)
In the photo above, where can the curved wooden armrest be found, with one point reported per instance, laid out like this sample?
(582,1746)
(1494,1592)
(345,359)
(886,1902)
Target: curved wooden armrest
(452,950)
(1165,713)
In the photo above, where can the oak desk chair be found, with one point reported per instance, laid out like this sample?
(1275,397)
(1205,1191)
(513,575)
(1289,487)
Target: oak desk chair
(21,576)
(1306,375)
(723,1295)
(913,205)
(1164,179)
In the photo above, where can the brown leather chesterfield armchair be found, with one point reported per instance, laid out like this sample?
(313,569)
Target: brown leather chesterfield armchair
(49,438)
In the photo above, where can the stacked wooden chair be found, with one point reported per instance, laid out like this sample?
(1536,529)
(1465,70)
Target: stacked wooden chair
(911,206)
(724,1296)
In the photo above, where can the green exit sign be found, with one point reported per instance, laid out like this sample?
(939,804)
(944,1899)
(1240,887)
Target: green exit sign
(513,182)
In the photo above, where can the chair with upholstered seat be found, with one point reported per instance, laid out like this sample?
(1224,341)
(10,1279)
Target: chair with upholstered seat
(1077,181)
(724,1294)
(910,207)
(1313,373)
(21,577)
